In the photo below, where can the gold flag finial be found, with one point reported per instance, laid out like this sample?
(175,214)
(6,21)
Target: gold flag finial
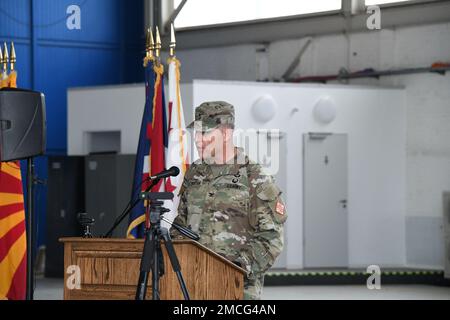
(13,56)
(173,42)
(158,43)
(1,57)
(5,58)
(150,45)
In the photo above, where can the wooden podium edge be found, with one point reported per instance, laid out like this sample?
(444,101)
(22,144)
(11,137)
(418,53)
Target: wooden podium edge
(183,241)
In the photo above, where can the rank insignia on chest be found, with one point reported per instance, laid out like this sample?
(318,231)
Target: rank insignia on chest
(280,208)
(233,186)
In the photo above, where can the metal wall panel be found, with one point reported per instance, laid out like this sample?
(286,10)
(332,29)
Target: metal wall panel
(51,58)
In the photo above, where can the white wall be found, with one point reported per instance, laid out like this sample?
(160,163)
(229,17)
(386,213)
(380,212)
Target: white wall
(100,109)
(374,120)
(110,108)
(427,101)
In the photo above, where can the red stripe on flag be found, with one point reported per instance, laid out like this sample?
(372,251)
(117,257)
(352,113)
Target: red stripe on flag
(149,131)
(10,238)
(157,148)
(9,184)
(146,181)
(187,162)
(169,186)
(8,210)
(17,291)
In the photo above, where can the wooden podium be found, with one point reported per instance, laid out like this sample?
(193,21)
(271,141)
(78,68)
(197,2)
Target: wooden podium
(109,269)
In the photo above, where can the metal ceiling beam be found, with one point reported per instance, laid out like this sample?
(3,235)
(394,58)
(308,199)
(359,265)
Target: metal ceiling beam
(332,22)
(174,15)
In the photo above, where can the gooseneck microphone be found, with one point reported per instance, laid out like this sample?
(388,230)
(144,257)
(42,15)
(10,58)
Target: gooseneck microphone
(172,172)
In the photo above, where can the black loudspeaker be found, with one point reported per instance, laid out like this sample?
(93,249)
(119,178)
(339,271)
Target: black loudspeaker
(65,199)
(109,181)
(22,124)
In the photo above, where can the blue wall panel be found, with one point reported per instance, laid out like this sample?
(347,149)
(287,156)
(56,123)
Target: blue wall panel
(134,71)
(15,19)
(23,65)
(134,34)
(100,20)
(133,15)
(51,58)
(70,67)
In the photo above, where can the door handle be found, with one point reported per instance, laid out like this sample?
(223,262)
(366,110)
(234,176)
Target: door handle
(343,203)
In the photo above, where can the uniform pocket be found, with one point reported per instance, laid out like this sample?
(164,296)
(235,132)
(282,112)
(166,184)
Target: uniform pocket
(232,199)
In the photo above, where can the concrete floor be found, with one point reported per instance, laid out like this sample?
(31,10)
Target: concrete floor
(357,292)
(52,289)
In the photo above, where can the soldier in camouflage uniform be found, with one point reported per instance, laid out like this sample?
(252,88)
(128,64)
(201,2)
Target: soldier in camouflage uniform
(233,205)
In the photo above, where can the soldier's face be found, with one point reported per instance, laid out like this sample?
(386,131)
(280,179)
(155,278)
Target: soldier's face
(209,142)
(214,143)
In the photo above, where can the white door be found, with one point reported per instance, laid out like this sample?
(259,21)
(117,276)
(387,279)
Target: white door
(325,200)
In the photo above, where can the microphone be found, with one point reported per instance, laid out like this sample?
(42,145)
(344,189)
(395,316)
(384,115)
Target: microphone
(172,172)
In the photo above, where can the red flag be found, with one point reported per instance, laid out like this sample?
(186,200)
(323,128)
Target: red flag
(158,132)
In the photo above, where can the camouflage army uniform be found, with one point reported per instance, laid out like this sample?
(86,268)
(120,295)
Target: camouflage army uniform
(238,213)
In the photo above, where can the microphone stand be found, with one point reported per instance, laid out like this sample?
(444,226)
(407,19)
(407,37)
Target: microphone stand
(152,259)
(127,211)
(183,230)
(30,231)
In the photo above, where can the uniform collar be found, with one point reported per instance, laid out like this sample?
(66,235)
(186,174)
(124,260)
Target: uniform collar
(231,167)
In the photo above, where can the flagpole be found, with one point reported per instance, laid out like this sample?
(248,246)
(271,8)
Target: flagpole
(158,46)
(5,58)
(4,62)
(1,58)
(13,57)
(173,42)
(149,47)
(30,233)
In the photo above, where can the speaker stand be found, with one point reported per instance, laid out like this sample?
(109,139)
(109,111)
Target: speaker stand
(30,233)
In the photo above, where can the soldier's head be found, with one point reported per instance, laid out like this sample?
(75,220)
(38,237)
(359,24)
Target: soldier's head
(214,125)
